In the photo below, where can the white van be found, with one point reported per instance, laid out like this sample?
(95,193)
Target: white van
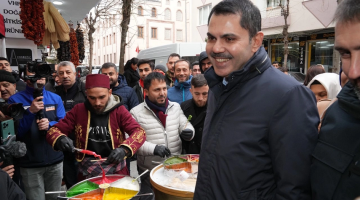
(160,54)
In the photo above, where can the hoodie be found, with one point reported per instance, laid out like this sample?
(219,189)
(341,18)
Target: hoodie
(127,94)
(202,57)
(330,81)
(180,92)
(99,139)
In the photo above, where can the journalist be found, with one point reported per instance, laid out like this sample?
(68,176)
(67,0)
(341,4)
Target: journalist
(41,166)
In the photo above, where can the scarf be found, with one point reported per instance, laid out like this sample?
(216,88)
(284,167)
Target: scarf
(158,110)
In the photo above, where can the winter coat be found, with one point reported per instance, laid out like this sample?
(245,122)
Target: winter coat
(259,132)
(330,81)
(156,134)
(120,121)
(127,94)
(132,76)
(80,96)
(335,170)
(180,92)
(39,153)
(197,120)
(20,85)
(9,190)
(139,92)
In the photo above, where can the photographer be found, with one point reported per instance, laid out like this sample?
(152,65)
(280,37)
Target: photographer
(41,166)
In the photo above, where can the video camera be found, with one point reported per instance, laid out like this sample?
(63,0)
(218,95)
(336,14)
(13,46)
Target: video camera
(38,67)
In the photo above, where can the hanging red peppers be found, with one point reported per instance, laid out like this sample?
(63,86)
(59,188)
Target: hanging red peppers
(32,18)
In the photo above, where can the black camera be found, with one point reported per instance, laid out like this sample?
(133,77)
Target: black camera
(39,68)
(15,110)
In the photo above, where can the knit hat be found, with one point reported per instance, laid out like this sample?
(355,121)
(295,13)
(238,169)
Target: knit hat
(97,80)
(203,56)
(7,76)
(161,67)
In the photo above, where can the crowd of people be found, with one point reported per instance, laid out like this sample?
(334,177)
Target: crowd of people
(259,132)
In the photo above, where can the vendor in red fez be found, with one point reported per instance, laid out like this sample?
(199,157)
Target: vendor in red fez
(99,124)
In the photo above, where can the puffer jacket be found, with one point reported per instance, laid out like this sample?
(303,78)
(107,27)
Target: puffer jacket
(127,94)
(156,134)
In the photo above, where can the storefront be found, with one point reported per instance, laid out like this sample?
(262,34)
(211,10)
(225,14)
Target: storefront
(304,52)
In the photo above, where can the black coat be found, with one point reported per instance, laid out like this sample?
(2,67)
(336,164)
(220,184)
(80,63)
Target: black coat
(259,132)
(189,108)
(335,172)
(20,85)
(79,97)
(132,76)
(139,92)
(8,188)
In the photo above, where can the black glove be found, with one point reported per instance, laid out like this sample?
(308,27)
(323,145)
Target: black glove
(186,134)
(161,151)
(64,144)
(116,156)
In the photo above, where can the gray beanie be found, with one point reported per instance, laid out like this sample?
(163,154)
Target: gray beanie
(7,76)
(161,67)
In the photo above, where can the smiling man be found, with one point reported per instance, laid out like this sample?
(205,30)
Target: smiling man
(145,67)
(335,172)
(181,90)
(261,125)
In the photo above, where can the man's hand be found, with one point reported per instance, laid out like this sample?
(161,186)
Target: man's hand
(43,124)
(186,134)
(9,170)
(4,117)
(64,144)
(36,105)
(116,156)
(161,151)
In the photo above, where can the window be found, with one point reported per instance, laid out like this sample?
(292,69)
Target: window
(98,44)
(167,34)
(153,12)
(167,2)
(107,56)
(110,57)
(140,10)
(179,35)
(103,41)
(154,33)
(114,57)
(179,15)
(140,31)
(178,3)
(99,60)
(167,14)
(114,38)
(94,61)
(204,14)
(275,3)
(107,40)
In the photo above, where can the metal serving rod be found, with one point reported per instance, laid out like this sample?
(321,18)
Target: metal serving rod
(146,194)
(141,174)
(55,192)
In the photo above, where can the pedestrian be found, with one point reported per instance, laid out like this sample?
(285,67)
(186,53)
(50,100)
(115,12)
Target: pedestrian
(196,108)
(145,67)
(261,125)
(130,72)
(170,73)
(5,65)
(336,158)
(204,62)
(181,90)
(195,68)
(312,72)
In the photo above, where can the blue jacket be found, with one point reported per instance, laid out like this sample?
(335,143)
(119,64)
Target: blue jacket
(39,152)
(127,94)
(180,92)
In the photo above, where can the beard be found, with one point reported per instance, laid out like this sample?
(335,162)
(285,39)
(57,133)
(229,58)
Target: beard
(100,110)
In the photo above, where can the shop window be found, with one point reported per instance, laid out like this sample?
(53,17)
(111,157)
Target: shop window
(204,14)
(275,3)
(167,14)
(179,15)
(153,12)
(321,52)
(277,54)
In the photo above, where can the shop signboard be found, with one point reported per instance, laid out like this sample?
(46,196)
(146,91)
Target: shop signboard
(10,9)
(302,46)
(18,56)
(321,36)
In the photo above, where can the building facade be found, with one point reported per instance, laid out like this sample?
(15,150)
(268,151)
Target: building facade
(153,23)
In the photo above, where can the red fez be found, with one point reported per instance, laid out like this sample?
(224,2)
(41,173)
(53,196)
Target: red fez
(97,80)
